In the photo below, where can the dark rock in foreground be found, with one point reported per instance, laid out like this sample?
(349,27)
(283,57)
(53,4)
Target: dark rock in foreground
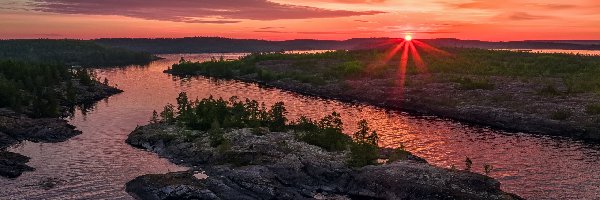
(13,165)
(16,127)
(278,166)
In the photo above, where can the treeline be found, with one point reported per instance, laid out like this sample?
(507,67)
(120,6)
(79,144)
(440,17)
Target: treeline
(39,89)
(226,45)
(70,52)
(215,115)
(306,62)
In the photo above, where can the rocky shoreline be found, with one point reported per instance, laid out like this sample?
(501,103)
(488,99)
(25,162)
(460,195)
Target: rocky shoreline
(436,99)
(16,127)
(275,165)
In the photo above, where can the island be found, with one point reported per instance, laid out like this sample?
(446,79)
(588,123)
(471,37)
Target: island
(240,149)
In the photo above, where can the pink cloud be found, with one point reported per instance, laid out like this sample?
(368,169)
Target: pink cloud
(193,11)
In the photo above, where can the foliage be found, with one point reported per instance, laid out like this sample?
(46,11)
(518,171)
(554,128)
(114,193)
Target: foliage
(399,153)
(326,133)
(364,150)
(214,115)
(207,113)
(154,118)
(247,65)
(348,68)
(593,109)
(561,114)
(487,168)
(37,89)
(468,164)
(550,90)
(168,114)
(470,84)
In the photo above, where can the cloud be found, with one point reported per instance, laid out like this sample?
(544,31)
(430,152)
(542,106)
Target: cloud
(192,11)
(526,16)
(355,1)
(272,27)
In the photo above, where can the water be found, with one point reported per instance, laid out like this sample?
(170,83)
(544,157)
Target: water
(580,52)
(98,163)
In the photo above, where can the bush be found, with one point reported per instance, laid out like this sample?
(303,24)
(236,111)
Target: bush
(327,133)
(470,84)
(364,150)
(561,115)
(349,68)
(399,154)
(593,109)
(550,90)
(363,154)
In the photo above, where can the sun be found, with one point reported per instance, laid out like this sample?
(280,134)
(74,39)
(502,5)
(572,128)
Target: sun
(408,37)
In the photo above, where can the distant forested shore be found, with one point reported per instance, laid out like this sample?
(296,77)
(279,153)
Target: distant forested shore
(69,52)
(228,45)
(123,51)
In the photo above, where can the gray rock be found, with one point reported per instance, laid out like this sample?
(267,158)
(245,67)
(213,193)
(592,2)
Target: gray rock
(277,166)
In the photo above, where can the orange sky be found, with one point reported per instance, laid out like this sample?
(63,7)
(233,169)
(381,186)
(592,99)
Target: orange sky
(315,19)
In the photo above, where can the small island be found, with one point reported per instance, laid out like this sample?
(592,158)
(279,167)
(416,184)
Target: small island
(240,149)
(553,94)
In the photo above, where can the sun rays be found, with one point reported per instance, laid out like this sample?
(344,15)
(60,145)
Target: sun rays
(408,49)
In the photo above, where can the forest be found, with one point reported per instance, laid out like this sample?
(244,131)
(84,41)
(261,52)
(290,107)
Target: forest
(70,52)
(39,89)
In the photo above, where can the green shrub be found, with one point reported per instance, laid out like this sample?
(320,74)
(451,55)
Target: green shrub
(468,164)
(550,90)
(363,154)
(399,154)
(215,135)
(349,68)
(327,133)
(561,115)
(168,114)
(593,109)
(470,84)
(364,150)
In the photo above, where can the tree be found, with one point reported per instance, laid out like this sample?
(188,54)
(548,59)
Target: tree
(154,118)
(168,114)
(277,117)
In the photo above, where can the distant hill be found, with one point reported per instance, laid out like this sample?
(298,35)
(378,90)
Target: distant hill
(225,45)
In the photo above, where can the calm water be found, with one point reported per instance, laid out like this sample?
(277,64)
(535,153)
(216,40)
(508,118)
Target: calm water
(581,52)
(98,163)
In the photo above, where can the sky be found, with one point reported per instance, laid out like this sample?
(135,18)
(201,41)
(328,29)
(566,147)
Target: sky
(492,20)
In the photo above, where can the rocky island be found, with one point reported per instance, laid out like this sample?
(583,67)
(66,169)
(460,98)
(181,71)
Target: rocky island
(236,151)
